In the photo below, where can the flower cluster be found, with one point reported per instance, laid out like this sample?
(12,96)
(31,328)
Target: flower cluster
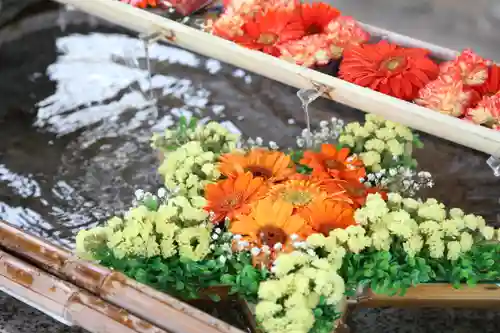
(306,34)
(272,204)
(421,226)
(307,280)
(468,87)
(381,144)
(292,231)
(146,233)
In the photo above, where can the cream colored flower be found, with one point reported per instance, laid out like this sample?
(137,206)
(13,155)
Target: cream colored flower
(466,241)
(454,250)
(370,158)
(488,232)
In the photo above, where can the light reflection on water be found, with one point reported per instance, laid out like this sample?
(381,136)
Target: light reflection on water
(101,114)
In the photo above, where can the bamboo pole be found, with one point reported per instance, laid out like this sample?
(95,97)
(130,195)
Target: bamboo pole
(367,100)
(158,308)
(66,302)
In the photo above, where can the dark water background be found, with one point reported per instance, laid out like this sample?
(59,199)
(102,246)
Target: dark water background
(75,125)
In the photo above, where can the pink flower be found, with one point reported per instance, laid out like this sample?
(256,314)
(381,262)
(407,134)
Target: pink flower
(446,94)
(471,68)
(486,112)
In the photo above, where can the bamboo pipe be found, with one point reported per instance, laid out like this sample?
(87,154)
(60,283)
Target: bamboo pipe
(66,302)
(158,308)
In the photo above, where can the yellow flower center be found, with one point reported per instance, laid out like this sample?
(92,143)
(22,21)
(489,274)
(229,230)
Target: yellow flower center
(393,63)
(296,197)
(267,38)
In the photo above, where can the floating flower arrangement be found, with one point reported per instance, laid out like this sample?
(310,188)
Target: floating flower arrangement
(317,34)
(293,230)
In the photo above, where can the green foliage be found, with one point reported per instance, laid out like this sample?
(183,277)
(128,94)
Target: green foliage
(325,316)
(187,279)
(177,136)
(296,156)
(393,272)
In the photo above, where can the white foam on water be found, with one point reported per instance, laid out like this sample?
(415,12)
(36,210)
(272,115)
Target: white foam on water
(92,69)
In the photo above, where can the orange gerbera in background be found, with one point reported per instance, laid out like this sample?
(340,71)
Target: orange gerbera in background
(388,68)
(273,166)
(324,216)
(268,29)
(333,163)
(271,224)
(230,197)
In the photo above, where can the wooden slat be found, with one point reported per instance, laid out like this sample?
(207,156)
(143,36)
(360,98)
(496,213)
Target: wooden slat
(439,295)
(449,128)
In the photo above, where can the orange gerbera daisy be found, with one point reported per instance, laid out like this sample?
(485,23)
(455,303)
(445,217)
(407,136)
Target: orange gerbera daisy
(324,216)
(389,69)
(333,163)
(273,166)
(353,189)
(303,193)
(233,196)
(270,223)
(268,29)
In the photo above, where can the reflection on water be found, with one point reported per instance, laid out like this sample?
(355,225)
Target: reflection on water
(88,148)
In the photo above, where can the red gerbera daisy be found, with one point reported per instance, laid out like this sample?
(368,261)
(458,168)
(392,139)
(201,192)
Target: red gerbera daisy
(492,84)
(266,30)
(389,69)
(317,16)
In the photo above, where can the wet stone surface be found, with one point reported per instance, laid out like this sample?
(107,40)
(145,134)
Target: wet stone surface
(74,144)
